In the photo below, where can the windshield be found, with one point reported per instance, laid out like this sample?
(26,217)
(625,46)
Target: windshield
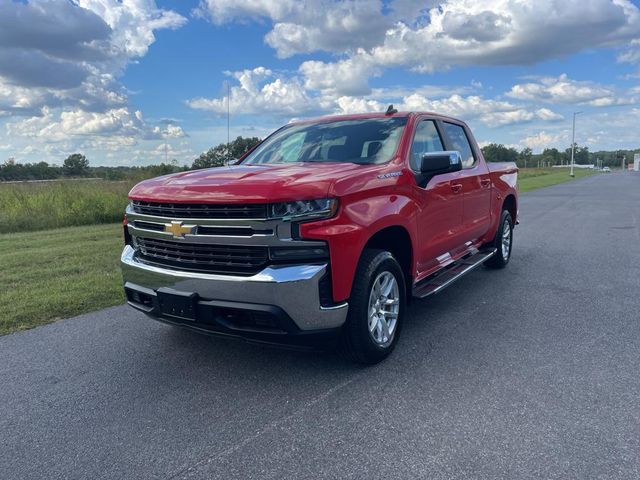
(364,141)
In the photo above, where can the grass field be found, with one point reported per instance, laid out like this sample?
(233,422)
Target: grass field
(534,178)
(41,206)
(58,273)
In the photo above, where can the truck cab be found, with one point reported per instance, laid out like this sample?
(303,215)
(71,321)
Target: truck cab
(322,233)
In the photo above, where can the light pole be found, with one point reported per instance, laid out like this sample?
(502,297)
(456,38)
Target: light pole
(573,141)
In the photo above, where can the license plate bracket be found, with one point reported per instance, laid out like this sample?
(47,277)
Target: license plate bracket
(181,305)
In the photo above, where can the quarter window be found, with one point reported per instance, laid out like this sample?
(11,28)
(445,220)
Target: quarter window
(460,142)
(426,140)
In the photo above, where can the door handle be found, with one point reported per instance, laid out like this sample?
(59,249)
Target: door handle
(456,187)
(486,182)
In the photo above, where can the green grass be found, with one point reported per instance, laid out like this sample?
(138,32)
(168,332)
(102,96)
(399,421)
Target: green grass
(57,274)
(42,206)
(534,178)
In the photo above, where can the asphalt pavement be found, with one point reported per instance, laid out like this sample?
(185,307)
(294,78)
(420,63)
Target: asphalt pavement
(528,372)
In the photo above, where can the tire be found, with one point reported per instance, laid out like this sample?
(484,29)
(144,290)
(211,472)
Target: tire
(375,316)
(504,249)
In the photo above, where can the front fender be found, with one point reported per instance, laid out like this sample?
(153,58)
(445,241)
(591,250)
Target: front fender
(348,233)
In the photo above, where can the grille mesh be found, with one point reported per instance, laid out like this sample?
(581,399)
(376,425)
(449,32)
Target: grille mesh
(227,259)
(201,210)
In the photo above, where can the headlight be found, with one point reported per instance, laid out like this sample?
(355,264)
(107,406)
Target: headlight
(323,208)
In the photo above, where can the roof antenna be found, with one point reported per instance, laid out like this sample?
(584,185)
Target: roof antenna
(391,110)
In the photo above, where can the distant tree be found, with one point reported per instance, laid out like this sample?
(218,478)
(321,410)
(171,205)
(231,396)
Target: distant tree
(580,154)
(495,152)
(75,165)
(524,157)
(217,156)
(163,169)
(551,156)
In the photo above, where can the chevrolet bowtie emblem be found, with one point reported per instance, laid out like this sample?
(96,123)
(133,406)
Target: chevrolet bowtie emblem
(178,229)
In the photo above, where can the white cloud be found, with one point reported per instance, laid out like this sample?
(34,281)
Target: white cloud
(456,105)
(454,32)
(83,47)
(491,112)
(260,90)
(632,53)
(330,27)
(346,77)
(60,63)
(544,140)
(565,90)
(508,32)
(52,127)
(375,36)
(359,105)
(172,131)
(119,124)
(133,23)
(511,117)
(222,11)
(548,115)
(303,27)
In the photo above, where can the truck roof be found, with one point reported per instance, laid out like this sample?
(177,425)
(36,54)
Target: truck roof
(356,116)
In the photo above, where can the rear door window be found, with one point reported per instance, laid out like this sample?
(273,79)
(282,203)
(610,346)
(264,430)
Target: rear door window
(459,141)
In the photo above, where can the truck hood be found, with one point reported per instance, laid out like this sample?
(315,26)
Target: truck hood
(246,183)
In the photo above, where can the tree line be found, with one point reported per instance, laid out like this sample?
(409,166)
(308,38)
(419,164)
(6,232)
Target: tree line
(77,165)
(550,157)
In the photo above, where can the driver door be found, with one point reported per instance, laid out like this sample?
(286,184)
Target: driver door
(440,200)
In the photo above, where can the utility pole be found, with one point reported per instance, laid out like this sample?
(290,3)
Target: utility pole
(573,141)
(228,116)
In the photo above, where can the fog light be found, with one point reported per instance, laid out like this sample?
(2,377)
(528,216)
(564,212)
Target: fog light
(299,253)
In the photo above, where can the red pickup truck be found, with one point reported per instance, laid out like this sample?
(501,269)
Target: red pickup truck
(323,231)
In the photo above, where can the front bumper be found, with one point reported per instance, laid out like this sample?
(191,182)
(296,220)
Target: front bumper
(281,300)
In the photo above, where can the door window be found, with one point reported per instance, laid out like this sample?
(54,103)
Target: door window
(425,140)
(460,142)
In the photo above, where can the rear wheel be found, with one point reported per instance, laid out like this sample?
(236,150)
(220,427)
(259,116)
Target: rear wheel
(502,242)
(376,308)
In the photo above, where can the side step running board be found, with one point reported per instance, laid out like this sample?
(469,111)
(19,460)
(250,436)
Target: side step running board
(445,277)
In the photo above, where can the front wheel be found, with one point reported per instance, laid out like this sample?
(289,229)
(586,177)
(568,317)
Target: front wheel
(503,242)
(376,308)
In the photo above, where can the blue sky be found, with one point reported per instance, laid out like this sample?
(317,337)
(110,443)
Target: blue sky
(128,82)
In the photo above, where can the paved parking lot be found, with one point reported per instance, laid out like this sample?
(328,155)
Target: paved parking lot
(530,372)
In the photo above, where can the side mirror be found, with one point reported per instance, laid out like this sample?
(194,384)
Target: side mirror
(437,163)
(231,161)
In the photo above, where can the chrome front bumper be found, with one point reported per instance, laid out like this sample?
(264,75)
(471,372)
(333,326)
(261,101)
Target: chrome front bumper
(294,289)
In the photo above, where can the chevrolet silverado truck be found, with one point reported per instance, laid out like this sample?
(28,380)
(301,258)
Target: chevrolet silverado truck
(322,233)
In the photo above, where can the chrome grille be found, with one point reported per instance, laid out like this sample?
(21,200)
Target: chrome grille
(201,257)
(201,210)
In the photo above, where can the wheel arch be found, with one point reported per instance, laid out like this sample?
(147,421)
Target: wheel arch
(511,205)
(395,239)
